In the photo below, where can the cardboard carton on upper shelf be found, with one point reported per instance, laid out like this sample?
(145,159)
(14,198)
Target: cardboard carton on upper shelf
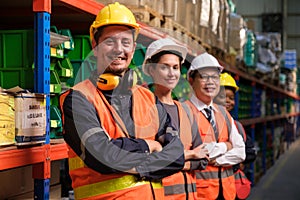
(7,119)
(152,3)
(30,116)
(223,25)
(237,33)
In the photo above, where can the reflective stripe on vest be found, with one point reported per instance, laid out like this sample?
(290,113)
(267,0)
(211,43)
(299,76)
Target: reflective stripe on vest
(184,126)
(75,163)
(238,175)
(181,184)
(214,174)
(240,129)
(111,185)
(89,133)
(179,189)
(228,121)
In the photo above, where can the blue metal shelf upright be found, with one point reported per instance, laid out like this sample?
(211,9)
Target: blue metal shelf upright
(42,11)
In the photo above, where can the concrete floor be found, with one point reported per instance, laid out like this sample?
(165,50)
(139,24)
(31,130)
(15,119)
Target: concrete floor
(55,193)
(282,180)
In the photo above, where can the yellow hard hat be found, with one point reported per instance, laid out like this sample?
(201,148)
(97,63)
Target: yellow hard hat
(115,14)
(227,80)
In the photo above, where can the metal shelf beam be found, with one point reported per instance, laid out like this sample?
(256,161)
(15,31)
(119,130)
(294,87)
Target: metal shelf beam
(263,119)
(249,77)
(12,157)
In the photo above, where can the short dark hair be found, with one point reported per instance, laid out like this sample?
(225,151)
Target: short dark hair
(233,89)
(155,58)
(193,73)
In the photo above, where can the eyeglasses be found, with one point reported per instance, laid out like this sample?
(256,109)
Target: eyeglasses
(205,77)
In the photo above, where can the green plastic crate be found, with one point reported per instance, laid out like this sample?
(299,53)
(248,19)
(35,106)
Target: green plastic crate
(16,49)
(82,47)
(16,58)
(68,45)
(55,117)
(57,52)
(64,68)
(54,100)
(139,55)
(55,122)
(55,83)
(17,77)
(81,71)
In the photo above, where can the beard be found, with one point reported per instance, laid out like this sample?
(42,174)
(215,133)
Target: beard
(118,72)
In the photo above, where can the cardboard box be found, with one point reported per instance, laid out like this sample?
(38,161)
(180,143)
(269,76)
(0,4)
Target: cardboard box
(236,22)
(30,118)
(7,119)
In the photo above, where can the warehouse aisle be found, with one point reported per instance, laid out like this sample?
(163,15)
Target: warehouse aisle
(282,180)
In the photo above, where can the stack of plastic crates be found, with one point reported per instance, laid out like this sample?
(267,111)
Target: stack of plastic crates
(61,70)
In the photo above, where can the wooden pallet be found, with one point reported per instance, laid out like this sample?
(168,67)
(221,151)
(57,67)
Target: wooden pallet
(165,24)
(230,59)
(147,15)
(181,33)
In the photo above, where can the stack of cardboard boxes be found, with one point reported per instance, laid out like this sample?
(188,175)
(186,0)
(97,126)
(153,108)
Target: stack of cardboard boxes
(7,120)
(23,118)
(210,22)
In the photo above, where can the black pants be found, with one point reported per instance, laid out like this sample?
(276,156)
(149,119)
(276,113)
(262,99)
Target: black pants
(220,196)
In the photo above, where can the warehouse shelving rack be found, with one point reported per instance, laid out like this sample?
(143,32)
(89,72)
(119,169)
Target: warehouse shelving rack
(265,121)
(39,157)
(77,15)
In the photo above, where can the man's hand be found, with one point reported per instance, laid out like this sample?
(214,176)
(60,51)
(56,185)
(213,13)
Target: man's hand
(228,145)
(212,162)
(154,146)
(132,171)
(201,152)
(187,165)
(197,153)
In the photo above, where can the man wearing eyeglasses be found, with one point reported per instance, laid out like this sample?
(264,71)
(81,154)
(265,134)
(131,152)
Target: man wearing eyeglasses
(217,130)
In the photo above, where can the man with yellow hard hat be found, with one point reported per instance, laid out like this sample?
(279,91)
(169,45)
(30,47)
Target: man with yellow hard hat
(121,142)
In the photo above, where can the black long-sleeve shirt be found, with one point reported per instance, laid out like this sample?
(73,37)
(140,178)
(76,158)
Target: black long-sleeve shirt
(107,155)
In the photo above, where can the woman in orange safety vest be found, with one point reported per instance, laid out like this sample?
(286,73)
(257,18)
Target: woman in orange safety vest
(162,63)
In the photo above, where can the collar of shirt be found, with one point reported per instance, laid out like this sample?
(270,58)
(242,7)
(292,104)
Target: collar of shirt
(200,105)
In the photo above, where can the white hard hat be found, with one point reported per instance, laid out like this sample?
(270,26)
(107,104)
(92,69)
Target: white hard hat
(203,61)
(160,45)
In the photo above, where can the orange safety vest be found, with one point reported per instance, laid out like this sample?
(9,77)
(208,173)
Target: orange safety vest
(89,184)
(240,129)
(242,183)
(181,184)
(207,180)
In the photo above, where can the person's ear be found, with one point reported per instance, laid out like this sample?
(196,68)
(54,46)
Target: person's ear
(190,80)
(133,49)
(151,70)
(95,47)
